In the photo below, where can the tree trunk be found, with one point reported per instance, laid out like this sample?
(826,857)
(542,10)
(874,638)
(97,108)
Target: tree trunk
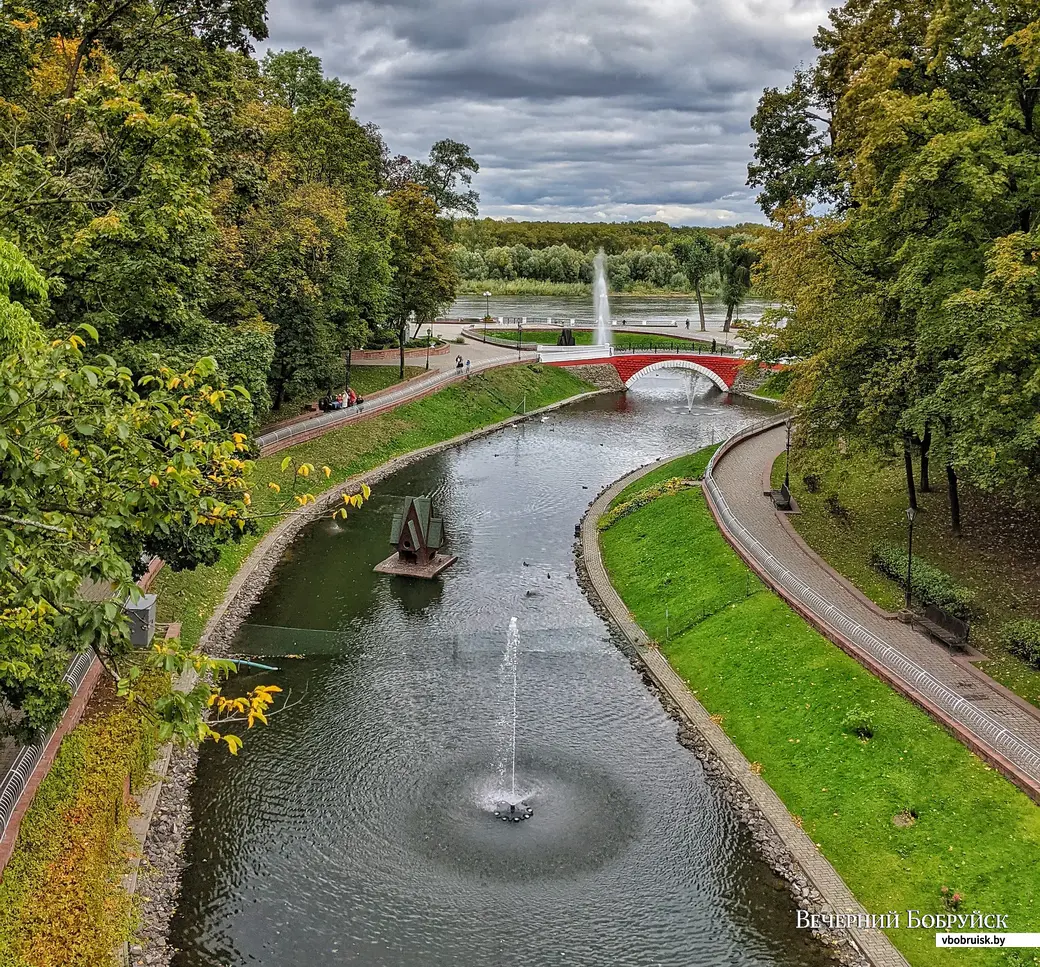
(403,335)
(729,318)
(700,305)
(279,393)
(77,62)
(926,487)
(908,460)
(955,501)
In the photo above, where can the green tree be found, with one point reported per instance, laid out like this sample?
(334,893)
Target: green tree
(933,145)
(696,256)
(134,28)
(447,176)
(736,261)
(793,153)
(425,280)
(97,469)
(294,79)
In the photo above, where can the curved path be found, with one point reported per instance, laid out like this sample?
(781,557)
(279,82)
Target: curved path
(991,720)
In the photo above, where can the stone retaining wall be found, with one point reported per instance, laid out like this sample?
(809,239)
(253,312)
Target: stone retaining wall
(367,357)
(601,375)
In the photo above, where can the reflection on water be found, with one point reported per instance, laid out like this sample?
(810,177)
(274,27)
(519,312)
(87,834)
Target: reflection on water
(356,830)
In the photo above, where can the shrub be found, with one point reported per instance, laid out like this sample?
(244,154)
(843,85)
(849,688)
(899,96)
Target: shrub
(858,723)
(928,584)
(641,499)
(1022,638)
(812,483)
(835,507)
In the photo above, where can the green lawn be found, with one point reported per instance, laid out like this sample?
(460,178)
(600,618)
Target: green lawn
(775,385)
(784,694)
(690,467)
(623,340)
(191,596)
(998,554)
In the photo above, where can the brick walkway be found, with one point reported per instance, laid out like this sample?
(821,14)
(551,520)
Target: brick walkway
(994,723)
(828,883)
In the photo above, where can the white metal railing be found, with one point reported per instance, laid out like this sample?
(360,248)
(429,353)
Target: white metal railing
(989,731)
(25,761)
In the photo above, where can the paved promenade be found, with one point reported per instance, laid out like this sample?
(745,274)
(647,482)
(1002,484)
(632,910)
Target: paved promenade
(990,719)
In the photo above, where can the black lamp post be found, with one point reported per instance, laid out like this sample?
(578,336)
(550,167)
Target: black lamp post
(487,311)
(520,338)
(787,459)
(429,339)
(910,515)
(346,358)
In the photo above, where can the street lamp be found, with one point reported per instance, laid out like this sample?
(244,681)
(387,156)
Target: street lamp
(910,515)
(487,311)
(787,459)
(519,338)
(346,357)
(429,339)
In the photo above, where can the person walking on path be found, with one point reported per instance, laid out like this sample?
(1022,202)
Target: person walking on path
(467,369)
(687,325)
(714,345)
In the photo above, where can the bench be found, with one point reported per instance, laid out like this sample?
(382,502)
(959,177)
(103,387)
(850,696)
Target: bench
(781,498)
(943,627)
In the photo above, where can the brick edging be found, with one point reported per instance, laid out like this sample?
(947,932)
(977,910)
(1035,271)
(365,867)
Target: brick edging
(984,751)
(871,942)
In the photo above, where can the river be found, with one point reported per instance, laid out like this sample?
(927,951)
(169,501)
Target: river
(579,308)
(355,828)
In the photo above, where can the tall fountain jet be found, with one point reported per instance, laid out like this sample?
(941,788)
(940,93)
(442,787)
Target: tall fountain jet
(601,300)
(512,809)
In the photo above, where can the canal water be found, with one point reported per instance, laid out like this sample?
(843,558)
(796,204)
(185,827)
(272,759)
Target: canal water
(356,828)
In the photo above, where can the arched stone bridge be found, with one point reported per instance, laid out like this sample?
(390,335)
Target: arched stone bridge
(721,370)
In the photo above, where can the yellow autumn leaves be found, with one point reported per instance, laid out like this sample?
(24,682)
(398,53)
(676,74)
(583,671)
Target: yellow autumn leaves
(254,706)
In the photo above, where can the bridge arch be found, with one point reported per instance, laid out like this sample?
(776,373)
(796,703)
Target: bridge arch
(679,364)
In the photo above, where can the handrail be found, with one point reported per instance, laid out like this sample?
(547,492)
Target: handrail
(25,761)
(967,714)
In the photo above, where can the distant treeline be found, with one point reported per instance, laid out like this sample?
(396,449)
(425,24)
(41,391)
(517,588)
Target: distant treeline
(633,268)
(612,237)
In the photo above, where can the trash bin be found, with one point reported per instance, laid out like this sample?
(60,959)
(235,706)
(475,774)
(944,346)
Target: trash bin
(142,620)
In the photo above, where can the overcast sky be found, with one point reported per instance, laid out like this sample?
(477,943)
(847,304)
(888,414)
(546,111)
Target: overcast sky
(580,110)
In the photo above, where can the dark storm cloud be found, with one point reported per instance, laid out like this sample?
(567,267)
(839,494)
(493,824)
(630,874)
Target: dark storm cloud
(590,109)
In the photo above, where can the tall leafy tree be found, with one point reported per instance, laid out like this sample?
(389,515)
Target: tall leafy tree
(933,142)
(447,175)
(696,256)
(425,280)
(294,79)
(736,259)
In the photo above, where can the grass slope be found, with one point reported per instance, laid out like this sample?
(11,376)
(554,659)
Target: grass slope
(785,694)
(191,596)
(690,467)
